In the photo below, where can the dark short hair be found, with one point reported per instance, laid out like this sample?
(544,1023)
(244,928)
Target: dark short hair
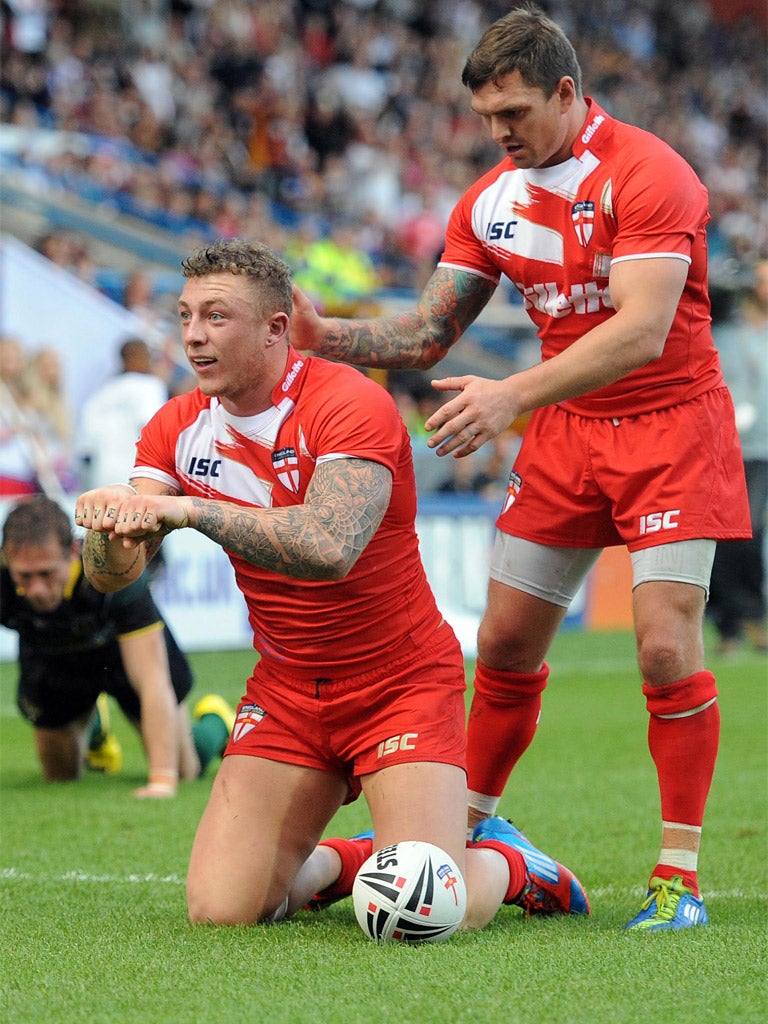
(526,41)
(133,347)
(34,521)
(253,260)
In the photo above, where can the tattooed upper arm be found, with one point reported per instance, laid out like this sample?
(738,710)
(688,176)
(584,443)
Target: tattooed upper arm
(356,493)
(319,540)
(344,505)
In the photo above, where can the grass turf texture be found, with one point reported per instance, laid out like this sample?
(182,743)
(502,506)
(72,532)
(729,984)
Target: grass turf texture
(93,923)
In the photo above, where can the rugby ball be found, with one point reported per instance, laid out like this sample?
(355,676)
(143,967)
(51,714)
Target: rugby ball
(409,892)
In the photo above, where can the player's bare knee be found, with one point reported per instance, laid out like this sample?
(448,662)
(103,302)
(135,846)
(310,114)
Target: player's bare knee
(662,661)
(476,916)
(203,908)
(506,649)
(217,917)
(58,775)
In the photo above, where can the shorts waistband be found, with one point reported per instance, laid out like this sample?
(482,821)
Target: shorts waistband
(313,680)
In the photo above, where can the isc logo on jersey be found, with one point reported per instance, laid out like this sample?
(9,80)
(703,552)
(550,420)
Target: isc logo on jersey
(502,229)
(204,467)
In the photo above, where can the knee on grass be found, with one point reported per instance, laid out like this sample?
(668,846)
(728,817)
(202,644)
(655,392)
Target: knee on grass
(207,908)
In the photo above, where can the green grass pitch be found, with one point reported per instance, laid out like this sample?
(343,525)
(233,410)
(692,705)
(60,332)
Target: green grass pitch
(92,915)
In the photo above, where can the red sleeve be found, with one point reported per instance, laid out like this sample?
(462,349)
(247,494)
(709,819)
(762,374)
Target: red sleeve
(351,415)
(651,217)
(156,447)
(463,249)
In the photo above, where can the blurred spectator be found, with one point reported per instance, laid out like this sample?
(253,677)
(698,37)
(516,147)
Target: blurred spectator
(486,476)
(27,24)
(467,477)
(335,272)
(139,295)
(737,604)
(113,416)
(155,308)
(70,251)
(184,111)
(18,469)
(43,386)
(421,234)
(415,398)
(30,457)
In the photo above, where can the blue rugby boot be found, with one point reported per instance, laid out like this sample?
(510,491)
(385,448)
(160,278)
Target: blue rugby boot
(668,905)
(550,888)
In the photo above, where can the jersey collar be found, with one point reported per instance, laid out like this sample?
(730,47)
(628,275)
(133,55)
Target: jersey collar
(291,382)
(595,124)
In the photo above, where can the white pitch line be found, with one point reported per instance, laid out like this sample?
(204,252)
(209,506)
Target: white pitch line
(15,875)
(83,877)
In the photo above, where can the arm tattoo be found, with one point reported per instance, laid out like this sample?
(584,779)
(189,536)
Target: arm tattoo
(112,566)
(450,302)
(319,540)
(97,562)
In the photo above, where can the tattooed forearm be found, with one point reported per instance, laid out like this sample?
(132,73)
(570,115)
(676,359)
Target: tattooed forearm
(451,301)
(110,573)
(319,540)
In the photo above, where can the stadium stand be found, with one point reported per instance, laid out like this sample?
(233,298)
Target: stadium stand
(132,130)
(149,126)
(207,117)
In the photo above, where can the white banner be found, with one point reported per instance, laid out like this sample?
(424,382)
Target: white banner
(44,306)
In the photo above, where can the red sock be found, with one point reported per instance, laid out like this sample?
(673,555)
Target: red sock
(683,738)
(353,853)
(670,871)
(502,723)
(518,875)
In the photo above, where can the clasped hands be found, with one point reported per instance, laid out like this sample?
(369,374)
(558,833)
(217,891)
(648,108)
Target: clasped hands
(121,513)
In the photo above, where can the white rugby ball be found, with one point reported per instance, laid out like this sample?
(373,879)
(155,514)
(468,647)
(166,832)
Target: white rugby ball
(409,892)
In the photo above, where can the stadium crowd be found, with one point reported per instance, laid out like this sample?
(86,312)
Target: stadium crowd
(339,132)
(280,119)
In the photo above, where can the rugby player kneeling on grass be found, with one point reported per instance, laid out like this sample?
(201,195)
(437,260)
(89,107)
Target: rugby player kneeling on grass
(302,471)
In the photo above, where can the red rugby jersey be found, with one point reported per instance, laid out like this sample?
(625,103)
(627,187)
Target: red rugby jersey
(555,231)
(321,411)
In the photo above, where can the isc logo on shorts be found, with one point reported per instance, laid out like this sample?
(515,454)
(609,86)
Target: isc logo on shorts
(391,746)
(656,521)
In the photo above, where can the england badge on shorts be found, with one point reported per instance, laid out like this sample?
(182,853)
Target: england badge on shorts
(583,214)
(286,464)
(248,717)
(514,484)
